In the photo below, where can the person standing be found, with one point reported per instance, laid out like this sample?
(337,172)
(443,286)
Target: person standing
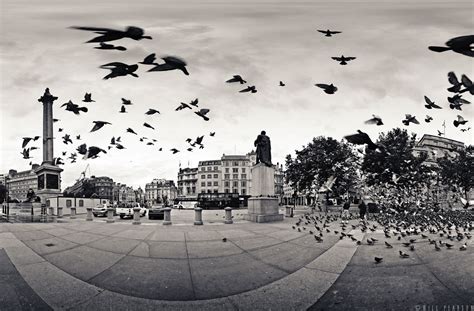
(345,210)
(362,209)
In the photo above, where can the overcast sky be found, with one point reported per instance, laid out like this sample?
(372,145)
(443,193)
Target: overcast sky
(264,41)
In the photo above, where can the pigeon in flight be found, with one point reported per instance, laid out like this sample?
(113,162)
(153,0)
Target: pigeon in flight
(78,137)
(251,89)
(105,46)
(174,150)
(119,146)
(361,138)
(236,78)
(26,140)
(428,119)
(183,106)
(149,60)
(98,125)
(282,84)
(129,130)
(64,153)
(148,125)
(327,88)
(67,139)
(212,134)
(410,119)
(465,130)
(343,60)
(55,120)
(123,110)
(60,129)
(462,45)
(456,85)
(189,149)
(88,98)
(93,152)
(199,140)
(194,102)
(375,120)
(202,113)
(457,101)
(107,34)
(152,111)
(70,106)
(119,69)
(328,33)
(26,153)
(171,63)
(459,121)
(468,84)
(149,143)
(58,161)
(440,133)
(430,104)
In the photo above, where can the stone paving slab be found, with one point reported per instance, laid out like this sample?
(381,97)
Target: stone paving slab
(167,235)
(82,237)
(33,235)
(115,245)
(167,250)
(208,249)
(47,246)
(255,242)
(83,262)
(204,235)
(164,279)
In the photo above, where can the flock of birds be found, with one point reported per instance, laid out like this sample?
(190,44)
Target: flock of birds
(405,229)
(117,69)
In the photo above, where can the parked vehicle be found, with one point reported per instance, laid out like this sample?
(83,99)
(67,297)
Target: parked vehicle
(156,212)
(186,205)
(101,211)
(126,210)
(218,200)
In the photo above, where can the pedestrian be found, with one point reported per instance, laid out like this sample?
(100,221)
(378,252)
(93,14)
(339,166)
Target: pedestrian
(345,210)
(362,209)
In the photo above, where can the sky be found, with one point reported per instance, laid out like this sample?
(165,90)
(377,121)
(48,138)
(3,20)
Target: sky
(264,41)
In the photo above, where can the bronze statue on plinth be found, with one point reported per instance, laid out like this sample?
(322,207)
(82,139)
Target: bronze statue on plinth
(263,149)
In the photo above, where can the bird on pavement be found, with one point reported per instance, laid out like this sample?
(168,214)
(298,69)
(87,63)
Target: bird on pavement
(98,125)
(171,63)
(343,59)
(251,89)
(119,69)
(107,34)
(328,33)
(236,78)
(327,88)
(105,46)
(403,255)
(375,120)
(388,245)
(430,104)
(461,45)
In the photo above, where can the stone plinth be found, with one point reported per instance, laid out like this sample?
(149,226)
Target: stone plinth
(263,205)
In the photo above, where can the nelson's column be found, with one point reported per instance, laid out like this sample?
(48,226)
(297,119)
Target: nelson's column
(49,175)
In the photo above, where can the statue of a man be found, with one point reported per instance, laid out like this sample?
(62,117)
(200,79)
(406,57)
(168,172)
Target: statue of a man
(263,149)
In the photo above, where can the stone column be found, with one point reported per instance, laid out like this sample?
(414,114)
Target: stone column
(47,99)
(73,213)
(167,218)
(228,215)
(198,216)
(89,214)
(51,211)
(60,212)
(136,216)
(110,215)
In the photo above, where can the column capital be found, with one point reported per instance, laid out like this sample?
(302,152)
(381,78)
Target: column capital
(47,97)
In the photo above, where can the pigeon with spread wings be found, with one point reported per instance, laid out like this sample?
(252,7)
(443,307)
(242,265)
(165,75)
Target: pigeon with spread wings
(171,63)
(119,69)
(107,34)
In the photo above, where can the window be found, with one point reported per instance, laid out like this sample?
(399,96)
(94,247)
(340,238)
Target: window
(235,176)
(209,183)
(209,176)
(244,191)
(216,176)
(208,168)
(48,203)
(203,168)
(203,184)
(216,191)
(244,184)
(208,190)
(216,183)
(226,184)
(203,176)
(243,176)
(235,170)
(215,168)
(68,203)
(227,170)
(203,191)
(235,190)
(235,183)
(226,190)
(235,163)
(226,176)
(243,169)
(81,203)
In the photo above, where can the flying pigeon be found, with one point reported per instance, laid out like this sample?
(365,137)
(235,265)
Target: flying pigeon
(461,45)
(459,121)
(361,138)
(171,63)
(119,69)
(328,33)
(129,130)
(149,60)
(194,102)
(282,84)
(148,125)
(88,98)
(67,139)
(70,106)
(430,104)
(375,120)
(152,111)
(107,34)
(202,113)
(93,152)
(327,88)
(251,89)
(343,60)
(428,119)
(98,125)
(26,140)
(105,46)
(174,150)
(456,85)
(410,119)
(236,78)
(183,106)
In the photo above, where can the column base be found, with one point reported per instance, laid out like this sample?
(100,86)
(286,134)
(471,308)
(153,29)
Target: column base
(263,209)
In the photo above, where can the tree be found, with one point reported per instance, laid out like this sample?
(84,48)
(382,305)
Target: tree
(322,158)
(458,171)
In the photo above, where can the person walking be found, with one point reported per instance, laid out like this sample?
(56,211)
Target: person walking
(362,209)
(345,210)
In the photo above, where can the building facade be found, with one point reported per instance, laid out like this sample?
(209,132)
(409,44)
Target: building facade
(435,147)
(99,187)
(187,182)
(18,183)
(160,191)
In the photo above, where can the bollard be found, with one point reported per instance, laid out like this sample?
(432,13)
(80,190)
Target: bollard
(167,218)
(60,212)
(110,215)
(228,215)
(288,211)
(198,216)
(51,211)
(136,216)
(73,213)
(89,214)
